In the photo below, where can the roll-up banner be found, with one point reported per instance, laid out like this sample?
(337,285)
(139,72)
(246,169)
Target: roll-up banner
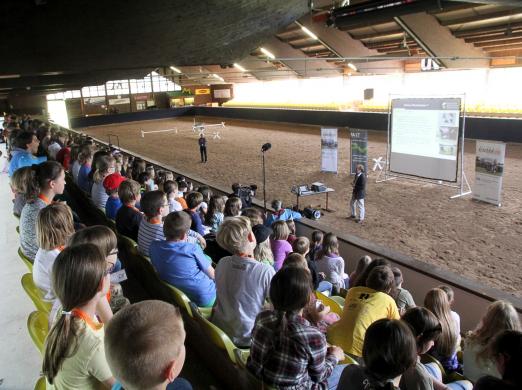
(329,150)
(489,169)
(358,150)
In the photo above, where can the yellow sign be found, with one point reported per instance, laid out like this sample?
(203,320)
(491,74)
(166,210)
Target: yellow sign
(202,91)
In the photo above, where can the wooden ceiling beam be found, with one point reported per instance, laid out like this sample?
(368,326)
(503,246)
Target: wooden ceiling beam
(492,49)
(376,34)
(498,43)
(480,17)
(484,30)
(494,37)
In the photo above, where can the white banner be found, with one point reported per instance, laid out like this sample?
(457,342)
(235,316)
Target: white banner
(489,169)
(328,150)
(113,102)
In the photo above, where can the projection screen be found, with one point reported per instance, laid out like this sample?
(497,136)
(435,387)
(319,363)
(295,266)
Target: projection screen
(424,139)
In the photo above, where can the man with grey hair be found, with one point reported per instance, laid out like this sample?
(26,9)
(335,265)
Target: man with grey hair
(281,214)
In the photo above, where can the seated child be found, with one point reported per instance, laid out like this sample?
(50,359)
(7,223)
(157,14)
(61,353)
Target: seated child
(170,188)
(74,356)
(451,298)
(402,297)
(104,167)
(233,207)
(215,216)
(85,159)
(19,181)
(445,349)
(111,184)
(507,350)
(478,361)
(291,227)
(54,226)
(138,353)
(194,199)
(262,251)
(315,312)
(280,246)
(183,264)
(255,215)
(128,217)
(316,244)
(362,263)
(302,245)
(155,207)
(362,307)
(330,263)
(150,185)
(286,351)
(182,189)
(389,350)
(242,282)
(426,329)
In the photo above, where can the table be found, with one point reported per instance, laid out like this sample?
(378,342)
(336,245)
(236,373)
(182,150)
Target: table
(310,193)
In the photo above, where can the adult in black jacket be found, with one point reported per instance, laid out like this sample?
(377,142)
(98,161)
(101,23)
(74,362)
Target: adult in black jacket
(358,194)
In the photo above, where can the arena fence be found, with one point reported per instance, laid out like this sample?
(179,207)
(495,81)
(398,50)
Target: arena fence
(493,129)
(471,297)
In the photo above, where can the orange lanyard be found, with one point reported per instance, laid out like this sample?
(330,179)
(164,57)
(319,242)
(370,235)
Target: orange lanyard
(132,207)
(60,248)
(44,198)
(155,221)
(88,320)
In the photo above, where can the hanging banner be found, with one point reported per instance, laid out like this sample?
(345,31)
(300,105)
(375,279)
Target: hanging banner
(489,169)
(113,102)
(328,150)
(358,149)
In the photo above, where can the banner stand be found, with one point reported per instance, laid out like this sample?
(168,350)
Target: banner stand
(462,184)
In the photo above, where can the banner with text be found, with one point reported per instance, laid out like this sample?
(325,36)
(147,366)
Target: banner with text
(358,150)
(489,169)
(328,150)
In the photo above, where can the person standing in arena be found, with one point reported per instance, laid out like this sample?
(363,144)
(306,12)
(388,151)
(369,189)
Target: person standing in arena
(202,141)
(358,194)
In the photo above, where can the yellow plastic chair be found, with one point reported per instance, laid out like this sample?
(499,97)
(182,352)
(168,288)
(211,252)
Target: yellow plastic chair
(128,240)
(35,294)
(218,337)
(327,301)
(348,360)
(18,229)
(38,327)
(340,300)
(40,384)
(184,302)
(27,261)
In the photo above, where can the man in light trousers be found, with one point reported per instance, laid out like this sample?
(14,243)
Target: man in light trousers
(359,191)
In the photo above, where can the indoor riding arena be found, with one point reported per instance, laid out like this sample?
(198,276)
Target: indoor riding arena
(261,195)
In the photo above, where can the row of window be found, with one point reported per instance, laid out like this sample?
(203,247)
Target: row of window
(153,82)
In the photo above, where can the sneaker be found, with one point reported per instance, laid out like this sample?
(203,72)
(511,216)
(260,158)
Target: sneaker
(360,221)
(352,217)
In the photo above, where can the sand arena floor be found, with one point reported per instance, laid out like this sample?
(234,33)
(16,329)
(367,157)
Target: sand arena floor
(473,239)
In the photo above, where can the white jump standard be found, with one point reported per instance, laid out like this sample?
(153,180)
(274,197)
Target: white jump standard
(175,130)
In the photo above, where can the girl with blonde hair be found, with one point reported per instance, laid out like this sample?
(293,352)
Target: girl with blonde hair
(19,182)
(445,349)
(54,226)
(330,263)
(478,361)
(104,167)
(74,355)
(279,244)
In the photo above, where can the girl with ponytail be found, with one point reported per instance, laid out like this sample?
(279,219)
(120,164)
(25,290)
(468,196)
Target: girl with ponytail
(45,182)
(105,165)
(74,354)
(286,350)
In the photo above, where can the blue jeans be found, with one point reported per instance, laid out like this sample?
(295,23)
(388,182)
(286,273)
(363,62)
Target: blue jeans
(333,379)
(325,286)
(434,371)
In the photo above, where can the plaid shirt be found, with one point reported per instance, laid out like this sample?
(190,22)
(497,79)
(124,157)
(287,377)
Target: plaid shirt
(299,362)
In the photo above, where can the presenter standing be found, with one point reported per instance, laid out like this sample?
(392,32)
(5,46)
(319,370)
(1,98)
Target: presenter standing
(359,189)
(202,141)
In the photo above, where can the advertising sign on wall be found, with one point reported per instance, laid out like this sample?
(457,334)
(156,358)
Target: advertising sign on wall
(202,91)
(358,149)
(222,93)
(489,169)
(329,150)
(114,102)
(94,100)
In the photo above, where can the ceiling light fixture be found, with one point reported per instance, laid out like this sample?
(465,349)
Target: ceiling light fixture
(10,76)
(267,53)
(237,66)
(175,69)
(309,33)
(352,67)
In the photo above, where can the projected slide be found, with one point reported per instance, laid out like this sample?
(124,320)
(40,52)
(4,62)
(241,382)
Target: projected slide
(425,137)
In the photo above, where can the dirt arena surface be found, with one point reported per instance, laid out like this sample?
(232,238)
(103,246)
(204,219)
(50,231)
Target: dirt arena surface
(473,239)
